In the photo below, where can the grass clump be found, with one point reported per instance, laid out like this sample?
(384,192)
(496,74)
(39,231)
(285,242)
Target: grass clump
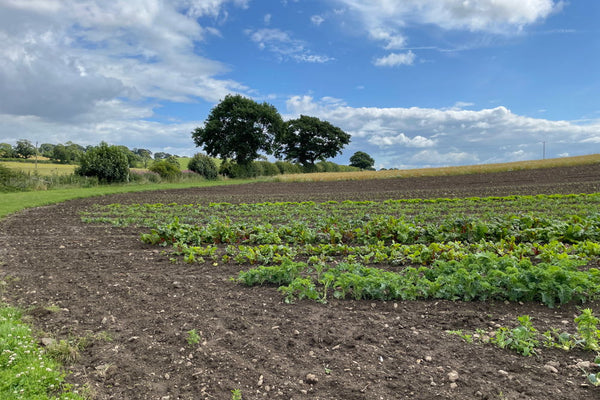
(25,371)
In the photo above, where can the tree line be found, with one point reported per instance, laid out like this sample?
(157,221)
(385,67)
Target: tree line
(70,153)
(238,131)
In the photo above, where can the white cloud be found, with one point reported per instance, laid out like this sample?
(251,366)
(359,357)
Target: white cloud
(393,39)
(400,139)
(317,20)
(395,59)
(284,47)
(449,136)
(498,16)
(386,20)
(434,157)
(68,57)
(267,18)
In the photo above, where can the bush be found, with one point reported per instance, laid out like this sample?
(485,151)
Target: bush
(108,163)
(203,165)
(167,170)
(12,181)
(234,170)
(327,166)
(267,168)
(286,167)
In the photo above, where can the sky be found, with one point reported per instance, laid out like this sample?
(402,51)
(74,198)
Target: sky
(416,83)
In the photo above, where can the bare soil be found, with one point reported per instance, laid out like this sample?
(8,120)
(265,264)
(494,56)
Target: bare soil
(135,308)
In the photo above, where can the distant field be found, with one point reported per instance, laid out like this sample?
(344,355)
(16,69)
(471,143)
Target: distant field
(42,168)
(470,169)
(62,169)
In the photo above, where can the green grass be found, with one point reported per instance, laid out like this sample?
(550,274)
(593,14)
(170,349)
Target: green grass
(13,202)
(26,372)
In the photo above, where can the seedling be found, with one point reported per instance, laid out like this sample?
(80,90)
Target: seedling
(193,338)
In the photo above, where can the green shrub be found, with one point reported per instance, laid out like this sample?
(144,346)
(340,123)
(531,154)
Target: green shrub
(167,170)
(267,168)
(234,170)
(226,169)
(203,165)
(12,181)
(286,167)
(327,166)
(108,163)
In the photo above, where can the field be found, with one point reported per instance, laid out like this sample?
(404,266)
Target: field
(42,169)
(323,290)
(444,171)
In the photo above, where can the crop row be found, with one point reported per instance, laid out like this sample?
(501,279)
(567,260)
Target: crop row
(382,229)
(518,248)
(483,276)
(397,254)
(416,210)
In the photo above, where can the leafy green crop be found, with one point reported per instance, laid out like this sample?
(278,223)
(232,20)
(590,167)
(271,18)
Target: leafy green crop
(522,339)
(495,248)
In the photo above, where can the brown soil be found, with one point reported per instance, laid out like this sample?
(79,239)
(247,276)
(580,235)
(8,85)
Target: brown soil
(109,285)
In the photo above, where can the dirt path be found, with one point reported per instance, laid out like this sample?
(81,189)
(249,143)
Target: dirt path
(136,307)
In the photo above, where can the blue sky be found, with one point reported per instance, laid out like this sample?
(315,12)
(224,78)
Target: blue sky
(417,83)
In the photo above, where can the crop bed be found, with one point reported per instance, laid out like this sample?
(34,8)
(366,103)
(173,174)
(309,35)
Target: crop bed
(400,288)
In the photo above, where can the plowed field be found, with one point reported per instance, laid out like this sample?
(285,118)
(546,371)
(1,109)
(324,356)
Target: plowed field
(135,306)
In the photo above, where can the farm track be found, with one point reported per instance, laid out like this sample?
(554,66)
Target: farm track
(107,282)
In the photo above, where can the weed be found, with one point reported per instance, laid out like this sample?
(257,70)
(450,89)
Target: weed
(587,328)
(594,379)
(560,340)
(466,337)
(522,339)
(193,337)
(236,394)
(64,351)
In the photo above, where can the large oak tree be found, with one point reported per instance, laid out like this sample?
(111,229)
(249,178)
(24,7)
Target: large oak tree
(308,139)
(240,128)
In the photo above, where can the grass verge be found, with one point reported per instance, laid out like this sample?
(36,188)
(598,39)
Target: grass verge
(25,371)
(13,202)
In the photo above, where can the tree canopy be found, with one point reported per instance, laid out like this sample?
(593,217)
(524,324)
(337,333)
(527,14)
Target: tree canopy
(308,139)
(24,148)
(361,160)
(239,128)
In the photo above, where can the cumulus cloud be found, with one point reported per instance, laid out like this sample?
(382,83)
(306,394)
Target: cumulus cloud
(449,136)
(400,139)
(67,57)
(284,46)
(385,21)
(498,16)
(395,59)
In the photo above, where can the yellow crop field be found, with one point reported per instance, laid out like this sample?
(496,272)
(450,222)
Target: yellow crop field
(42,169)
(470,169)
